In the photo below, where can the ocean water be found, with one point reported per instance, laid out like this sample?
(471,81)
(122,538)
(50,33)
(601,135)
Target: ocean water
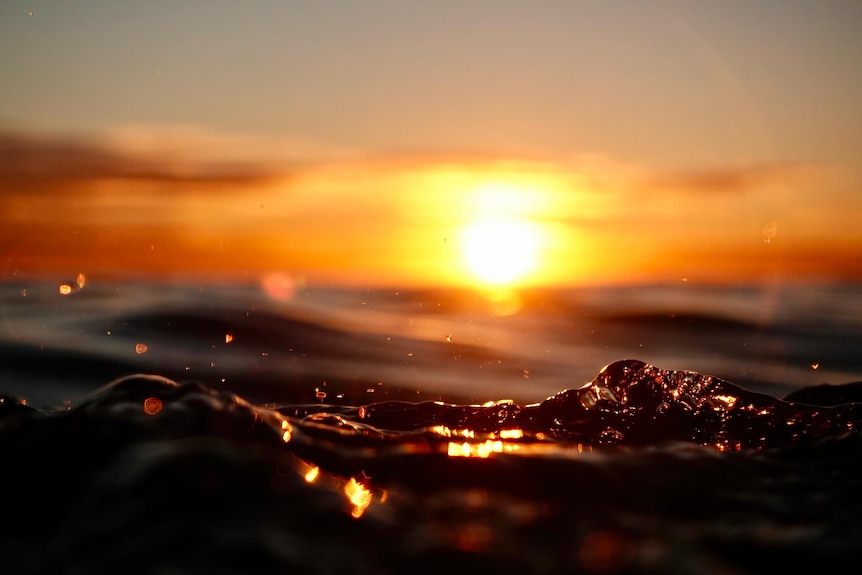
(188,428)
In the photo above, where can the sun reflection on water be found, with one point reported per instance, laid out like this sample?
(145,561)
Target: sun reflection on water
(359,496)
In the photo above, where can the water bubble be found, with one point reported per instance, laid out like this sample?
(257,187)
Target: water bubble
(152,405)
(67,288)
(769,231)
(141,348)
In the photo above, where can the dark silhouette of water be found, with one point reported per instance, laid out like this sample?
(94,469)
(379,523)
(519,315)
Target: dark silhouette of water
(325,436)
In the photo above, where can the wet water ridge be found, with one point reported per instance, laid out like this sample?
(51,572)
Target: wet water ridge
(628,403)
(640,470)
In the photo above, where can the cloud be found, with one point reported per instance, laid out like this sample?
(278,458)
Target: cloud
(27,159)
(729,180)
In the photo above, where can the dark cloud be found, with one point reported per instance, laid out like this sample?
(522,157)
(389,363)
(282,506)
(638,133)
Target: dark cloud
(42,161)
(732,180)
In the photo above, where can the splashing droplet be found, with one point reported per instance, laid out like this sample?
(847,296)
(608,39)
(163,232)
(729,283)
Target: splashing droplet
(359,496)
(228,338)
(141,348)
(152,405)
(312,474)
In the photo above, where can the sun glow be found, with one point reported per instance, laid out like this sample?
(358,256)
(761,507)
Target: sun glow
(501,245)
(500,252)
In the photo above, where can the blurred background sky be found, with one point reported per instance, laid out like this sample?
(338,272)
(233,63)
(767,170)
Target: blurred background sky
(489,143)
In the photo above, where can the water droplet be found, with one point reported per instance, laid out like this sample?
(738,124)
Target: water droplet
(31,12)
(81,280)
(228,338)
(320,395)
(359,496)
(526,374)
(769,231)
(24,292)
(312,474)
(815,366)
(152,405)
(140,348)
(67,288)
(449,337)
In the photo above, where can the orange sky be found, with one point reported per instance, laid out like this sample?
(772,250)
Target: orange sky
(118,207)
(488,143)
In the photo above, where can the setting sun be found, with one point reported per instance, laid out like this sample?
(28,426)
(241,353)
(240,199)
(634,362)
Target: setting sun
(501,252)
(501,242)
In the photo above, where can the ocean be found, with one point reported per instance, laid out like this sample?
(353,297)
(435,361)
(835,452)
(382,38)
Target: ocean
(189,427)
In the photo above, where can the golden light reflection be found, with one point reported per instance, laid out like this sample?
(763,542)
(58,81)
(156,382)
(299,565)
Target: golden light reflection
(312,474)
(511,434)
(287,431)
(65,289)
(359,496)
(481,450)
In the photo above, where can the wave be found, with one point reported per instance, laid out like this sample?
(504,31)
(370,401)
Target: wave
(639,470)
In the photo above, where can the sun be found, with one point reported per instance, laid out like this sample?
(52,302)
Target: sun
(500,252)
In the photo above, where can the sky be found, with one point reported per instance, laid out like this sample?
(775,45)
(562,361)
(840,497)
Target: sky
(485,143)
